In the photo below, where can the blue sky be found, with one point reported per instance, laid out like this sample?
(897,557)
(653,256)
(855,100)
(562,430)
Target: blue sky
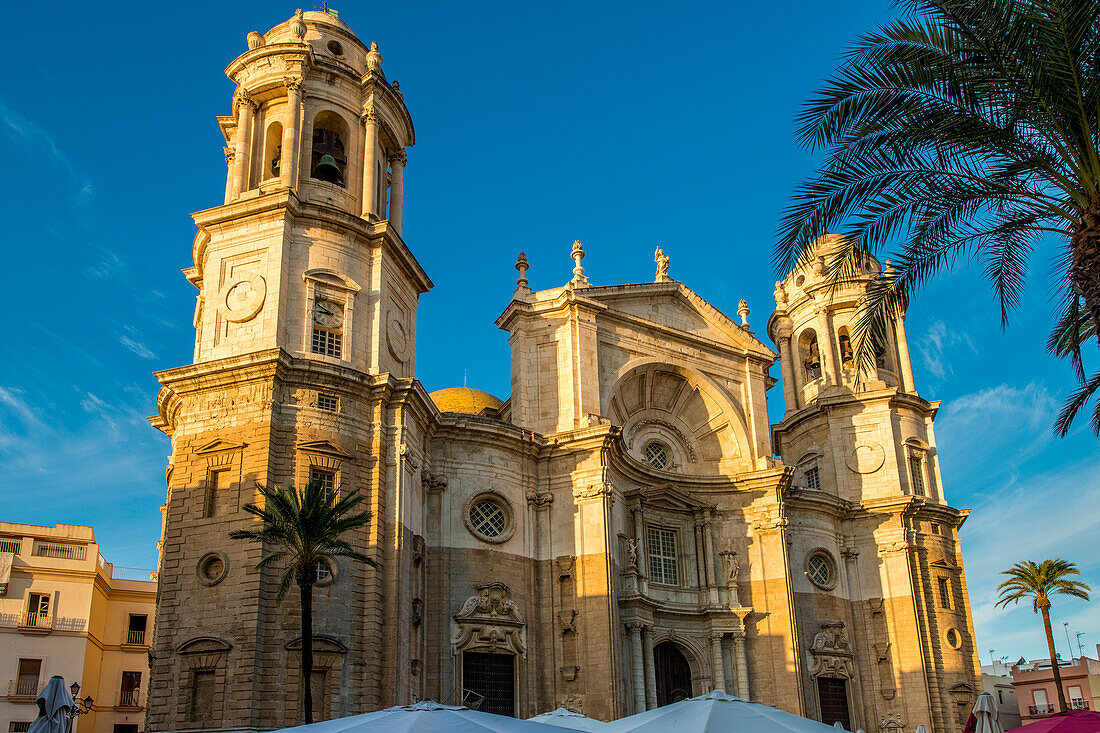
(622,124)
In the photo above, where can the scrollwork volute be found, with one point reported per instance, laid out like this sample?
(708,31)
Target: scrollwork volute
(831,654)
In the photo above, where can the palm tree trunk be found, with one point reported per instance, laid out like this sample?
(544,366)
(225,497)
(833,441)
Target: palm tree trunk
(1053,657)
(307,647)
(1085,270)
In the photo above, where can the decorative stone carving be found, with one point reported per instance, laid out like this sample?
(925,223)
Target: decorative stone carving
(241,299)
(521,282)
(831,653)
(632,552)
(866,458)
(398,156)
(891,722)
(579,280)
(298,26)
(540,499)
(662,261)
(255,40)
(374,58)
(780,295)
(489,621)
(431,482)
(596,491)
(567,617)
(743,312)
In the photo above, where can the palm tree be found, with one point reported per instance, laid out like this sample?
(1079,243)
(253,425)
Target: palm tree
(303,528)
(968,129)
(1039,581)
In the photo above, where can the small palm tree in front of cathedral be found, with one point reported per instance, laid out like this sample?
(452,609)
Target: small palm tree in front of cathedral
(303,528)
(1040,581)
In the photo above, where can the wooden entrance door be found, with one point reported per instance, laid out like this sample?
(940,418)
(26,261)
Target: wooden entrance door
(673,674)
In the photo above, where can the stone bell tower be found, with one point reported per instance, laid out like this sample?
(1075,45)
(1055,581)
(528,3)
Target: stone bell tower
(885,623)
(304,366)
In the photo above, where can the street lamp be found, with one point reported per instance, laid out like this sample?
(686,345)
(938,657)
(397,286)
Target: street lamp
(82,706)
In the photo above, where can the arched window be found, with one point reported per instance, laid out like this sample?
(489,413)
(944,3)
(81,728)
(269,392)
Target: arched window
(273,145)
(811,354)
(329,161)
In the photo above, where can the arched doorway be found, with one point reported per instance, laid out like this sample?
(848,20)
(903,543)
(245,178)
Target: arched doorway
(672,672)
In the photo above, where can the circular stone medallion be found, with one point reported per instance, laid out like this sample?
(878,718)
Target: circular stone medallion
(242,299)
(866,458)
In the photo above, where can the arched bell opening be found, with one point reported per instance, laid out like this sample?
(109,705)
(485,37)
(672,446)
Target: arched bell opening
(329,160)
(810,354)
(273,144)
(847,353)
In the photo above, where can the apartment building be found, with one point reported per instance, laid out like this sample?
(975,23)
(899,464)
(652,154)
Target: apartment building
(1037,694)
(65,610)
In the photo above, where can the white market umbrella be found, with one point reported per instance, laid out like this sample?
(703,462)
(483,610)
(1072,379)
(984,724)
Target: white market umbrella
(423,717)
(985,713)
(565,718)
(717,712)
(54,703)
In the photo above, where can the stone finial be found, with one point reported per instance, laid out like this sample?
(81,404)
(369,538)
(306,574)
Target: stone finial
(888,269)
(298,26)
(780,294)
(374,58)
(743,311)
(579,280)
(662,261)
(819,266)
(255,40)
(521,281)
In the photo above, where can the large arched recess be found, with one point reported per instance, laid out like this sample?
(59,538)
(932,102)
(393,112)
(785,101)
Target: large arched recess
(701,422)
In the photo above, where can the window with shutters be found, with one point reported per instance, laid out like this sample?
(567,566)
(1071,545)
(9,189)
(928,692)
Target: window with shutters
(662,556)
(945,593)
(916,474)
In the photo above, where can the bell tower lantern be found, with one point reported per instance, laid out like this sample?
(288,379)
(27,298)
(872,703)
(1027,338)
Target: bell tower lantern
(314,112)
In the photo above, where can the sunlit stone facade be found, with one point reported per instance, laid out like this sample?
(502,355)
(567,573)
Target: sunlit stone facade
(626,529)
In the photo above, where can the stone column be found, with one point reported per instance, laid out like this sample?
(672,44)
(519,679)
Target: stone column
(370,146)
(230,194)
(650,674)
(398,159)
(700,562)
(292,133)
(826,344)
(742,665)
(787,367)
(638,664)
(243,144)
(718,669)
(905,367)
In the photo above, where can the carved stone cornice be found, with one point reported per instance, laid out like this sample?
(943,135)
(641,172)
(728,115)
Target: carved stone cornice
(433,483)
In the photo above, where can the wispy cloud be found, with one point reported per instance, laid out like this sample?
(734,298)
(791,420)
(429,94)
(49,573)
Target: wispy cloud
(30,134)
(938,344)
(1029,503)
(131,342)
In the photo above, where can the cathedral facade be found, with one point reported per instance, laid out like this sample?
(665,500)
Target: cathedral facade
(625,530)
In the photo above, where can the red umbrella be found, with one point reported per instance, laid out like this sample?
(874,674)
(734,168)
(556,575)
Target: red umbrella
(1071,721)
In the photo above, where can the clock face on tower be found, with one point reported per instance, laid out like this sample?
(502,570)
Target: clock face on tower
(328,314)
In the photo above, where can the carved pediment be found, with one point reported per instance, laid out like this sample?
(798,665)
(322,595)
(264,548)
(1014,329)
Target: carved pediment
(325,447)
(320,644)
(219,446)
(204,645)
(831,653)
(942,565)
(669,498)
(489,621)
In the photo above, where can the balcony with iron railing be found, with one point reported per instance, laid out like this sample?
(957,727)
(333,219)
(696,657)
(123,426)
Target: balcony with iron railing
(129,699)
(135,637)
(25,686)
(59,551)
(1078,704)
(10,544)
(1040,709)
(35,621)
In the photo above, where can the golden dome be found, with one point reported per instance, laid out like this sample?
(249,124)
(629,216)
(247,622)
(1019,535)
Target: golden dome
(465,400)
